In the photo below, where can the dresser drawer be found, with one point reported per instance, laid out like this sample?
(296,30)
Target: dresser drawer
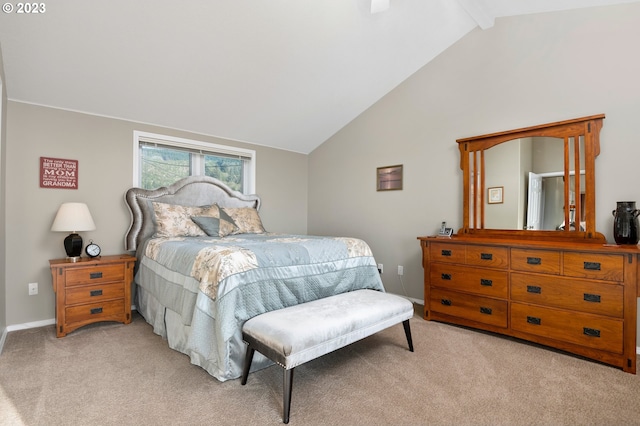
(541,261)
(581,295)
(481,281)
(587,330)
(94,293)
(489,256)
(95,274)
(474,308)
(607,267)
(96,311)
(450,253)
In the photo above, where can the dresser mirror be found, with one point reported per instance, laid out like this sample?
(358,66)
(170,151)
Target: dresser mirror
(534,182)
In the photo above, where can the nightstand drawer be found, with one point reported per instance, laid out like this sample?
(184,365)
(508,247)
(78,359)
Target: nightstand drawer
(474,308)
(94,293)
(95,274)
(95,311)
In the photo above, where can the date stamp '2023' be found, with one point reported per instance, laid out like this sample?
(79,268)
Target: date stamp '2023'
(24,8)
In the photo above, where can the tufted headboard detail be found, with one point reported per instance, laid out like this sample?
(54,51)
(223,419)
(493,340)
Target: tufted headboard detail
(190,191)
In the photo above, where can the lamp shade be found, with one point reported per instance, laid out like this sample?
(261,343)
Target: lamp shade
(73,217)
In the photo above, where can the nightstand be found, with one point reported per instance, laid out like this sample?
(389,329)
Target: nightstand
(92,290)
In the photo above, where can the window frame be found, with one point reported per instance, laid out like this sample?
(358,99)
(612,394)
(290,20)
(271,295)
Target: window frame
(249,177)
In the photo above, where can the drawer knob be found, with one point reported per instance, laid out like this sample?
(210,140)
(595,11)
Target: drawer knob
(534,260)
(486,311)
(96,311)
(445,302)
(534,289)
(446,252)
(595,298)
(485,282)
(94,293)
(486,256)
(591,332)
(534,320)
(446,277)
(592,266)
(94,275)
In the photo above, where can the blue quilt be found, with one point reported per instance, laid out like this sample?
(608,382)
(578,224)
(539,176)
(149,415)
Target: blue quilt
(215,284)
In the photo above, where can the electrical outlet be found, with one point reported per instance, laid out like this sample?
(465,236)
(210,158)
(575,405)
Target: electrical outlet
(33,289)
(400,270)
(380,267)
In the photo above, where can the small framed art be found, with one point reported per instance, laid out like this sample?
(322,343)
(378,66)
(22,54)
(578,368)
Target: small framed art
(389,178)
(495,194)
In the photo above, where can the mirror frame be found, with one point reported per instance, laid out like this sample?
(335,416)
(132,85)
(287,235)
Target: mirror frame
(586,127)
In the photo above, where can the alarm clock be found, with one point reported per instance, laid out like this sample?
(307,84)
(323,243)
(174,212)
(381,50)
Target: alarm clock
(92,249)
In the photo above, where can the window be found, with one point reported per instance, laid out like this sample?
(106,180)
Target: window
(161,160)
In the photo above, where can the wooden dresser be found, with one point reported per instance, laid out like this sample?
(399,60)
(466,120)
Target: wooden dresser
(92,290)
(576,297)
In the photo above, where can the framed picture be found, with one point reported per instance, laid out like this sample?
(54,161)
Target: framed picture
(389,178)
(494,195)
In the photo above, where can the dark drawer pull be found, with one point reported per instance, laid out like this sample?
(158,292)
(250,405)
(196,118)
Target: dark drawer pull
(96,311)
(95,275)
(96,293)
(592,266)
(486,256)
(484,310)
(485,282)
(592,332)
(446,252)
(534,320)
(595,298)
(534,289)
(534,260)
(445,302)
(446,277)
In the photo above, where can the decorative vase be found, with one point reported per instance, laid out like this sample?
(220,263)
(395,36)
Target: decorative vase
(626,228)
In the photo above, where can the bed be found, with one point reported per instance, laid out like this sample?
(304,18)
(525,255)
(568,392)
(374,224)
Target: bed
(205,265)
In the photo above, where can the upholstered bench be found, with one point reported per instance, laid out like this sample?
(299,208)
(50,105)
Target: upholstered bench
(301,333)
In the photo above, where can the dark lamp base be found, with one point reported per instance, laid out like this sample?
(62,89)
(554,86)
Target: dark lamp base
(73,247)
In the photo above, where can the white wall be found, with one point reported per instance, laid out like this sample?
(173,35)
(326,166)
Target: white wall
(524,71)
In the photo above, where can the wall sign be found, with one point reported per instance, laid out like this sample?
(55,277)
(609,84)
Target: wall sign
(58,173)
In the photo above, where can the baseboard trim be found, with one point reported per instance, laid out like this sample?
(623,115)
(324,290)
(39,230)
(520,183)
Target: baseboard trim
(2,339)
(33,324)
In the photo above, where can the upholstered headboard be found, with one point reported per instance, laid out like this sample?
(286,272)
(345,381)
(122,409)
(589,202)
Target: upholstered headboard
(191,191)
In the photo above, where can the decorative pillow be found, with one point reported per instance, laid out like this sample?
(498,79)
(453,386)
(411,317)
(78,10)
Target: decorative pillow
(216,226)
(174,220)
(246,219)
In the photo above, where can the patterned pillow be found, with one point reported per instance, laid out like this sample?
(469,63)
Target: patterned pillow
(174,220)
(246,219)
(216,226)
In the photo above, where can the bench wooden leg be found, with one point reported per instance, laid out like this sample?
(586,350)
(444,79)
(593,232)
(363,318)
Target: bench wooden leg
(407,332)
(247,364)
(286,403)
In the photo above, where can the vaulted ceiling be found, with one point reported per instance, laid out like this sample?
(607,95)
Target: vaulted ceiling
(281,73)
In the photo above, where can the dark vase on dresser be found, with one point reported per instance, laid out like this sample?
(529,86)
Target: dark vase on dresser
(625,225)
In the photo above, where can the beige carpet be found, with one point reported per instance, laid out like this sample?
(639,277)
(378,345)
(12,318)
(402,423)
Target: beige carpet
(112,374)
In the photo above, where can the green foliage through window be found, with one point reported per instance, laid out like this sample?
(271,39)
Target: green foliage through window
(162,166)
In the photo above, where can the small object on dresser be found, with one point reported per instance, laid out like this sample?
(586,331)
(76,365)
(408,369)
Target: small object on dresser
(92,249)
(626,229)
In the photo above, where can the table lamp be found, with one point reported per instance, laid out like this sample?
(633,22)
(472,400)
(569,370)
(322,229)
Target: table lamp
(73,217)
